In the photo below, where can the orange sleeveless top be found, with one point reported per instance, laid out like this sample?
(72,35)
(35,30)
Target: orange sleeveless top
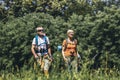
(70,48)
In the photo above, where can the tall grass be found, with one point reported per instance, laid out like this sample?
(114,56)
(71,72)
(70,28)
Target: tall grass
(83,74)
(57,72)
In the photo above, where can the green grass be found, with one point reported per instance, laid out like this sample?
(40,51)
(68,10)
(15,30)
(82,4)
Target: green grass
(84,74)
(56,73)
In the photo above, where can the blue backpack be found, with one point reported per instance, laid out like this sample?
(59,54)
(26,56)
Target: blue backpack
(36,41)
(59,48)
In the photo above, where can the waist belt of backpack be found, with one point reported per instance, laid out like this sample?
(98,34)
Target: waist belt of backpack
(42,52)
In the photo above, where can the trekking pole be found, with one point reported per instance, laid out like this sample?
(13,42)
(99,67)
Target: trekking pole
(95,56)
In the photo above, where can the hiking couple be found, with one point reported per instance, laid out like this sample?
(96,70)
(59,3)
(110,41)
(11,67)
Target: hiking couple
(42,51)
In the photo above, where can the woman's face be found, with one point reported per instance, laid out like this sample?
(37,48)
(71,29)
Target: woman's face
(71,34)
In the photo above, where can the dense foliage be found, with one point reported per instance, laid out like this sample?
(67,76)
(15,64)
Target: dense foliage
(63,8)
(99,34)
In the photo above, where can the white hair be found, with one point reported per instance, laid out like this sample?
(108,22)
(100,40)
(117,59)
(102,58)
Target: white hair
(70,31)
(38,28)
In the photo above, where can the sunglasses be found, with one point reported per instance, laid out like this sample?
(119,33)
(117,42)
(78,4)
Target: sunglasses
(40,30)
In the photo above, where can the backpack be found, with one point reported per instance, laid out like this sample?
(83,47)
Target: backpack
(67,42)
(60,47)
(36,41)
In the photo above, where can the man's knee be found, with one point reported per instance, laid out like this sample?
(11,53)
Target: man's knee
(47,64)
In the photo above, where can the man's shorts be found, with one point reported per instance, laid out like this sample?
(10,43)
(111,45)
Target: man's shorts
(45,61)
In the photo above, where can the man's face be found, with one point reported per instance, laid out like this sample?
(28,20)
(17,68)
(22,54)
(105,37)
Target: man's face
(40,31)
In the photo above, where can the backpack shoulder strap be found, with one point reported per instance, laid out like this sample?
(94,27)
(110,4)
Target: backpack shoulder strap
(36,40)
(45,38)
(46,42)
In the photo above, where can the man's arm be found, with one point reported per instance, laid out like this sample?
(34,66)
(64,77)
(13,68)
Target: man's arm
(33,51)
(49,50)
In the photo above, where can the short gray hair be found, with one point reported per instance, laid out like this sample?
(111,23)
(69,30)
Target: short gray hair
(40,27)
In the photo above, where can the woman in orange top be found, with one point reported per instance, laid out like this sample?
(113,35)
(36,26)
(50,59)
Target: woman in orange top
(69,51)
